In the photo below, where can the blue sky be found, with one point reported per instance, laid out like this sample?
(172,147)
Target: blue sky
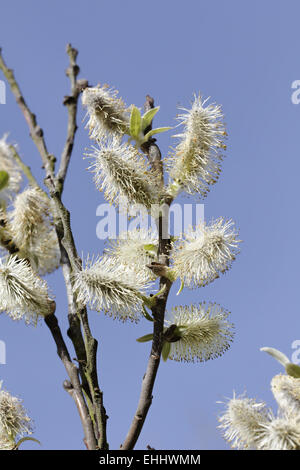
(245,56)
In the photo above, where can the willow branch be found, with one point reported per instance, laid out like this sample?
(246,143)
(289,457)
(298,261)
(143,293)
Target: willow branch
(36,132)
(158,311)
(71,102)
(74,387)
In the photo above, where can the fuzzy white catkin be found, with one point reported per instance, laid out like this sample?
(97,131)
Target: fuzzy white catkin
(107,113)
(135,249)
(280,433)
(242,422)
(111,287)
(195,162)
(32,230)
(248,424)
(204,332)
(14,421)
(286,390)
(207,251)
(23,295)
(120,171)
(8,164)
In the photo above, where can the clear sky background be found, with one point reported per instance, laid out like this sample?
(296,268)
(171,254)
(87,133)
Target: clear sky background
(245,55)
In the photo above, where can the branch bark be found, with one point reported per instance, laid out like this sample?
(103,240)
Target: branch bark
(74,387)
(36,132)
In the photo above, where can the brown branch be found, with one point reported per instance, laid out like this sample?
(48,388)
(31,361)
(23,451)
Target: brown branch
(74,387)
(71,102)
(158,311)
(91,345)
(36,132)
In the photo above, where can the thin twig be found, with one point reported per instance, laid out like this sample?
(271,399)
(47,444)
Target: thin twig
(36,131)
(71,102)
(75,388)
(26,169)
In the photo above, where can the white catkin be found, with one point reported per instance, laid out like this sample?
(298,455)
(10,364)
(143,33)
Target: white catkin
(195,163)
(204,332)
(242,422)
(135,249)
(32,229)
(280,433)
(286,390)
(107,113)
(8,164)
(107,286)
(14,421)
(120,172)
(206,251)
(23,295)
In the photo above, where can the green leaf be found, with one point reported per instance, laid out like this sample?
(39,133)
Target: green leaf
(180,288)
(150,249)
(166,350)
(25,439)
(156,131)
(4,179)
(148,117)
(144,339)
(135,123)
(146,314)
(293,370)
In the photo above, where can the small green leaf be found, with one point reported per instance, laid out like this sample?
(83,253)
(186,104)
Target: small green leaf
(4,179)
(145,338)
(166,350)
(156,131)
(151,249)
(25,439)
(180,288)
(135,123)
(148,117)
(293,370)
(146,314)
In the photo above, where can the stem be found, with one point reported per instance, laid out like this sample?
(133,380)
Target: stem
(71,102)
(158,311)
(74,387)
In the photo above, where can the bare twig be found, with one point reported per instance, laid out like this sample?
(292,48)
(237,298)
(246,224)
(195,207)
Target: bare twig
(74,388)
(36,132)
(71,103)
